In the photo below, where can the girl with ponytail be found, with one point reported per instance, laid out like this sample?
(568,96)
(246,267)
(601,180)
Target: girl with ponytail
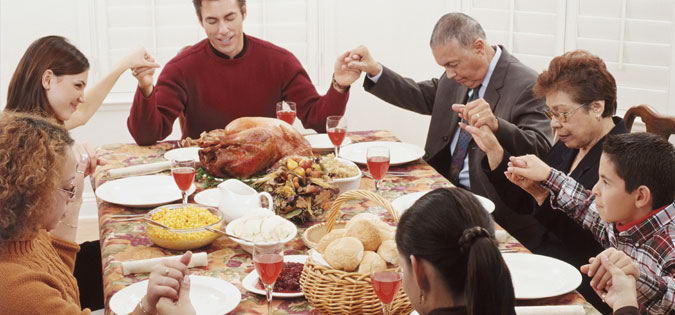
(450,260)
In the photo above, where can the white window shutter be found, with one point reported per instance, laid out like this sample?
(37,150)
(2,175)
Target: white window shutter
(634,38)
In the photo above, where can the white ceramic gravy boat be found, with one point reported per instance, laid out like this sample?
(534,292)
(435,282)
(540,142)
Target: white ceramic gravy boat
(237,198)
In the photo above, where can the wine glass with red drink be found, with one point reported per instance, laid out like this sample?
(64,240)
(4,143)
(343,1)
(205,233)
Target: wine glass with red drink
(386,284)
(286,111)
(336,127)
(378,163)
(268,260)
(183,172)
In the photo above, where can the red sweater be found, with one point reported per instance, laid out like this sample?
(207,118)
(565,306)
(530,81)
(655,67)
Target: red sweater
(212,91)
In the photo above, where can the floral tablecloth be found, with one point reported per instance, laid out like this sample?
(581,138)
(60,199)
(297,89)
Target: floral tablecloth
(123,241)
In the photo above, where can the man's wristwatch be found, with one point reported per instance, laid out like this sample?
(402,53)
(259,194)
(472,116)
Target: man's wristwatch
(339,87)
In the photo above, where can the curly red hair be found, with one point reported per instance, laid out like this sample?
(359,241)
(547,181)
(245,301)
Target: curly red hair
(583,76)
(32,152)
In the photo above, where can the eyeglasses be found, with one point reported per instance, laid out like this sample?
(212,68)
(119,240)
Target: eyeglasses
(561,117)
(70,191)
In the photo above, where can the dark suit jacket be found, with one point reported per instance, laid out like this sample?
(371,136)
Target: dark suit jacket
(523,127)
(564,238)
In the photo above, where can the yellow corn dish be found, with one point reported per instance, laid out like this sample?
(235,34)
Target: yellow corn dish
(190,220)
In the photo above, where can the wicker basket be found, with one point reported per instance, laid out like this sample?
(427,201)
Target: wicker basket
(334,291)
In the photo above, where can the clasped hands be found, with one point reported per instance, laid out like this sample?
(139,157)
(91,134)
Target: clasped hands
(169,288)
(614,276)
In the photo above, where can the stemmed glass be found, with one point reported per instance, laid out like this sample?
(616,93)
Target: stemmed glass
(286,111)
(378,163)
(268,260)
(183,172)
(336,127)
(385,284)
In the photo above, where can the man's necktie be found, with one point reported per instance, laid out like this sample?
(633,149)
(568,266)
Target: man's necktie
(463,140)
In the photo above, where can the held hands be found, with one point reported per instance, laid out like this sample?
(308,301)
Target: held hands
(529,167)
(344,76)
(360,59)
(621,286)
(138,58)
(142,67)
(601,277)
(478,113)
(165,282)
(482,127)
(487,142)
(528,171)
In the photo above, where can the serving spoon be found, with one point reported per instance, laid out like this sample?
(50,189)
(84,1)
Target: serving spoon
(226,234)
(160,225)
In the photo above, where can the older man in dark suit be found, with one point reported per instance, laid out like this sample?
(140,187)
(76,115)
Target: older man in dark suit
(497,90)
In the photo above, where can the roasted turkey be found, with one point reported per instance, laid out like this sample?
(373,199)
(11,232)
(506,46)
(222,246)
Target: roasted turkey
(249,145)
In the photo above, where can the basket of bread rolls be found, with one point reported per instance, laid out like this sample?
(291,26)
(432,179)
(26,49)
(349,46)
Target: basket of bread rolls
(336,276)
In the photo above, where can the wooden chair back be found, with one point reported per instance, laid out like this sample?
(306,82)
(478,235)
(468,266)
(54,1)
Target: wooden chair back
(656,123)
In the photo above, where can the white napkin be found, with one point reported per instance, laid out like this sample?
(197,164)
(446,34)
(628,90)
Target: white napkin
(139,169)
(551,310)
(318,258)
(501,236)
(145,265)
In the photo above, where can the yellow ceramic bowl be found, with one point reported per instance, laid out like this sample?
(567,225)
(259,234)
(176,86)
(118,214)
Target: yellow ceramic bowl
(188,226)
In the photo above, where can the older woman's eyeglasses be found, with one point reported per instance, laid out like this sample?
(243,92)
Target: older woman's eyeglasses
(561,116)
(70,192)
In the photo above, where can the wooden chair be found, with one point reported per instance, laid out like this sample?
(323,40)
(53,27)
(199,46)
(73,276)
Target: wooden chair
(656,123)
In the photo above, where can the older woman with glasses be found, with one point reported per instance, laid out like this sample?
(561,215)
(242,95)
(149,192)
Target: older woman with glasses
(38,180)
(581,98)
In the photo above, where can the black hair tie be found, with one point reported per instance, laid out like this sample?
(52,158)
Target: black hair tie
(469,236)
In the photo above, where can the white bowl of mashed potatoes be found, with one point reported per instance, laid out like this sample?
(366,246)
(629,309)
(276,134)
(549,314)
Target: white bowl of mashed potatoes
(261,226)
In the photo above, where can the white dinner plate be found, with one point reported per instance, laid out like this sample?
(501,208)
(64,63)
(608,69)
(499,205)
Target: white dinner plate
(208,197)
(320,141)
(404,202)
(183,154)
(399,152)
(249,282)
(536,276)
(208,295)
(141,191)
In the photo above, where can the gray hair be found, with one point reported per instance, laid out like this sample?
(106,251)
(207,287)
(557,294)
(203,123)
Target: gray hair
(458,26)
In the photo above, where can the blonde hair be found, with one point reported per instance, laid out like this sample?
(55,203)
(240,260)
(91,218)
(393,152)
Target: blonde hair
(32,153)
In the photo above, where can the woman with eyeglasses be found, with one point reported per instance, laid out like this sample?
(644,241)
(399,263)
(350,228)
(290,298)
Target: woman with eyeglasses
(38,180)
(581,98)
(50,81)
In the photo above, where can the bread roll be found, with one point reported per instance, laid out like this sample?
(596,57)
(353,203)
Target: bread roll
(388,252)
(387,232)
(367,233)
(326,239)
(344,253)
(363,216)
(370,261)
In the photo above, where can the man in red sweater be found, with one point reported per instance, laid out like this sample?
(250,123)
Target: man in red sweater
(227,76)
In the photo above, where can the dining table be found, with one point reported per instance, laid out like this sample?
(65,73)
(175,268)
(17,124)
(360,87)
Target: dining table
(127,240)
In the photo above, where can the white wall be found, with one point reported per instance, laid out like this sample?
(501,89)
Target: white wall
(634,36)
